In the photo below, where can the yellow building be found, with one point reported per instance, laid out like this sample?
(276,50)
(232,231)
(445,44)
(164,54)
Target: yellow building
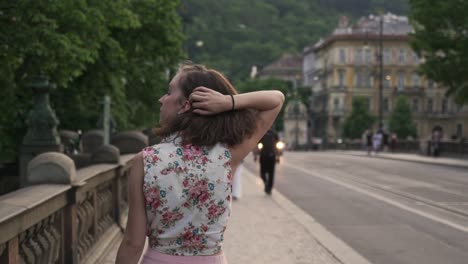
(346,64)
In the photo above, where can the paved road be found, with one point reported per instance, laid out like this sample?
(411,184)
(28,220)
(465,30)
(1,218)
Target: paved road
(389,211)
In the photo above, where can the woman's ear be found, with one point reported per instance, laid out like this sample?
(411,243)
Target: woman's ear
(186,106)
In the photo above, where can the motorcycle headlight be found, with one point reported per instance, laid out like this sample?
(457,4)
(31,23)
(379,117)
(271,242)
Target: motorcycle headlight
(280,145)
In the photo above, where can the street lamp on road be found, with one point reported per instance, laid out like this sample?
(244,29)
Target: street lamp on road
(381,74)
(296,128)
(199,43)
(379,57)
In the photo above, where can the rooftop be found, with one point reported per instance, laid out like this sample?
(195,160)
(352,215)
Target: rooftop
(394,27)
(287,62)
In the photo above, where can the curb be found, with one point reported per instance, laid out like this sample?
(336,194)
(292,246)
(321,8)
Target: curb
(335,246)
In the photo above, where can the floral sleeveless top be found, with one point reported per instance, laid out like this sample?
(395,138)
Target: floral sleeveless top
(188,197)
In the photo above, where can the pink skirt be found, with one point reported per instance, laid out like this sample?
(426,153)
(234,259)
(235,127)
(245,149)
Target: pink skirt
(152,256)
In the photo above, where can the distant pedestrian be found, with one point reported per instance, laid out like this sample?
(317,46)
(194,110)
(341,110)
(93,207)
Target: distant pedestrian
(368,138)
(385,143)
(377,141)
(237,182)
(393,142)
(363,140)
(435,143)
(268,159)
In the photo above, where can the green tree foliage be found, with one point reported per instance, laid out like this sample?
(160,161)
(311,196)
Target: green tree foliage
(440,38)
(364,7)
(401,121)
(132,68)
(359,120)
(88,48)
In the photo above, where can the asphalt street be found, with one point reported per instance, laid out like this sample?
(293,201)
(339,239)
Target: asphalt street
(389,211)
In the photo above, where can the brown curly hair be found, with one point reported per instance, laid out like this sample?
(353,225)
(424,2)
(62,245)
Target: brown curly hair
(230,127)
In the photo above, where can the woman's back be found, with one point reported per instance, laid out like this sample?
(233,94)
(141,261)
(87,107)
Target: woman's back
(185,201)
(187,193)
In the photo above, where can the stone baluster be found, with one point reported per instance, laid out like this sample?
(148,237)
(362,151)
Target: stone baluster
(3,253)
(50,241)
(30,251)
(86,214)
(104,196)
(54,235)
(42,243)
(9,251)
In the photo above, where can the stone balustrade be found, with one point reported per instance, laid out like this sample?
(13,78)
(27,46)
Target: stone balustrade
(65,223)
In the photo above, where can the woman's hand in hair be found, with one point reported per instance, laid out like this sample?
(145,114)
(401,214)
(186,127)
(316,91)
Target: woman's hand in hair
(206,101)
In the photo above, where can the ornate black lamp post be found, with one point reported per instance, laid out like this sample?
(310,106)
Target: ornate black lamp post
(296,128)
(42,135)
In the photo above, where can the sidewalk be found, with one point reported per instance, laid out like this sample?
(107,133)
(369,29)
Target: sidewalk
(441,161)
(272,230)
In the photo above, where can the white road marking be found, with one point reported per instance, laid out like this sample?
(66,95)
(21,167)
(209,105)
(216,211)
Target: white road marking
(379,197)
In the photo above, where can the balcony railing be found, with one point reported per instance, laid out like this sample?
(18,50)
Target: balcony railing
(338,88)
(440,114)
(337,112)
(408,90)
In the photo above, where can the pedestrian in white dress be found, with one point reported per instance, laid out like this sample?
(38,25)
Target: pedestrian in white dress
(237,182)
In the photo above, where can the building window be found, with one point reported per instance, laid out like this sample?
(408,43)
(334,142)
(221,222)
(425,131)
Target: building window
(309,78)
(368,103)
(336,103)
(386,56)
(444,105)
(386,105)
(368,55)
(358,58)
(401,81)
(401,56)
(367,79)
(430,105)
(459,130)
(416,80)
(430,84)
(358,78)
(341,76)
(415,58)
(342,56)
(415,105)
(387,78)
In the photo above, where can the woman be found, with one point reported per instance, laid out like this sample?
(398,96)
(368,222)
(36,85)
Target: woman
(180,189)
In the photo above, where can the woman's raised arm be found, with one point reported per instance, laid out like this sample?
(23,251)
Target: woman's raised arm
(267,103)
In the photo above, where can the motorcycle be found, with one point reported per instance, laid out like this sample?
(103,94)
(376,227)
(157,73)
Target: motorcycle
(279,150)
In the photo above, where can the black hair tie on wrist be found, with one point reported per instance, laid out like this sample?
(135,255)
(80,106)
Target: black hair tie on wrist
(233,104)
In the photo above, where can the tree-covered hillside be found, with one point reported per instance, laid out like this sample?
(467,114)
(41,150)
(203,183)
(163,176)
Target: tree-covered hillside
(234,35)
